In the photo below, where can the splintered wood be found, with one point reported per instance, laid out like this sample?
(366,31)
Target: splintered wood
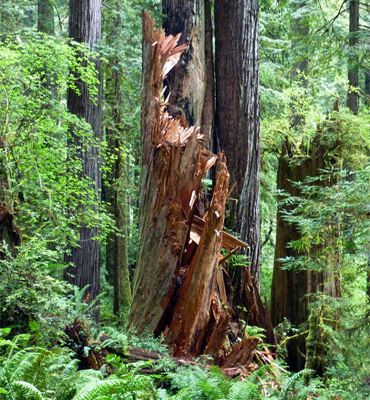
(178,286)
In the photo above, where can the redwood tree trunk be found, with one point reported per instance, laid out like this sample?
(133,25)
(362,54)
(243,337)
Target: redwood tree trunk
(175,277)
(85,27)
(290,289)
(178,286)
(354,27)
(190,83)
(116,191)
(45,17)
(238,122)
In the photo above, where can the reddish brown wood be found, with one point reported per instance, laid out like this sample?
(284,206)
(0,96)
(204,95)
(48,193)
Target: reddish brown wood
(173,164)
(178,284)
(241,354)
(191,316)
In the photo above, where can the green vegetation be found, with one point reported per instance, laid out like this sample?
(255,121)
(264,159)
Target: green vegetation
(41,193)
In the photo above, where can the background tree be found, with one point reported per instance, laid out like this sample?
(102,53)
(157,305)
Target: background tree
(85,27)
(117,188)
(354,27)
(45,21)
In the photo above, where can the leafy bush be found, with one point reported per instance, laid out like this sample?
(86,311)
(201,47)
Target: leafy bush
(28,292)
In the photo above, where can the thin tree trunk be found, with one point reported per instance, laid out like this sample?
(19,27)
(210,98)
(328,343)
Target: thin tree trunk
(354,27)
(116,192)
(300,30)
(85,27)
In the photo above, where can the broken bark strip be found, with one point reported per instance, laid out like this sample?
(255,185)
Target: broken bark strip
(191,316)
(173,164)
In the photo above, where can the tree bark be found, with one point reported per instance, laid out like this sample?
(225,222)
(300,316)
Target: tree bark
(45,22)
(237,122)
(291,289)
(116,191)
(178,286)
(190,83)
(85,27)
(354,27)
(167,184)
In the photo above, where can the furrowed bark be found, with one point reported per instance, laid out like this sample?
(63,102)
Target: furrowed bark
(238,127)
(84,260)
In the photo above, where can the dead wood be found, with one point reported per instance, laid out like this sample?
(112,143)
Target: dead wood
(88,351)
(191,315)
(241,354)
(179,288)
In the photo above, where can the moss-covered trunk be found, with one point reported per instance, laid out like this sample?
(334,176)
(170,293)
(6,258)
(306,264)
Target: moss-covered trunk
(291,288)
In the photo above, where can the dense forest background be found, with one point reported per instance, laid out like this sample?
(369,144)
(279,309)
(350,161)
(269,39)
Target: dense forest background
(91,289)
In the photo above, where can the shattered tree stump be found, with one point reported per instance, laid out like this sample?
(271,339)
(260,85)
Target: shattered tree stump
(178,287)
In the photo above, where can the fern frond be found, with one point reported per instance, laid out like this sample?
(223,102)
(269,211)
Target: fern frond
(189,393)
(243,390)
(24,365)
(99,389)
(26,391)
(289,383)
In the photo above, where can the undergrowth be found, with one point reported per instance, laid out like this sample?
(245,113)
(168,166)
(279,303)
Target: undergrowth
(35,372)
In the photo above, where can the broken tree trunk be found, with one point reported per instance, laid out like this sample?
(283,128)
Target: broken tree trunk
(178,286)
(190,84)
(173,164)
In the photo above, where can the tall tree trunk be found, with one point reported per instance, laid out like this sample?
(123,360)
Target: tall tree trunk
(354,27)
(116,192)
(45,22)
(190,83)
(237,122)
(300,30)
(290,289)
(85,27)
